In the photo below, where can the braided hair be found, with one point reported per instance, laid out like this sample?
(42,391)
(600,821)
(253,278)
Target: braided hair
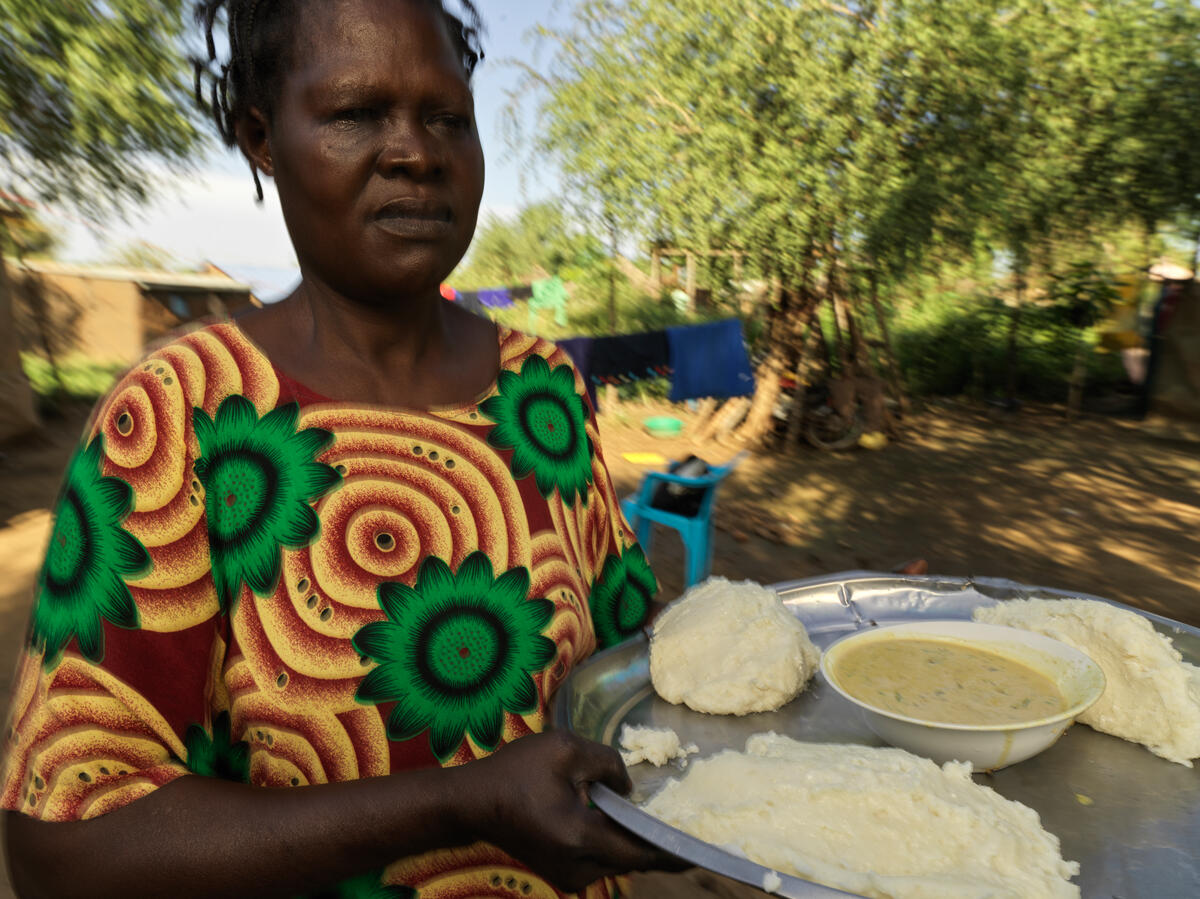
(260,49)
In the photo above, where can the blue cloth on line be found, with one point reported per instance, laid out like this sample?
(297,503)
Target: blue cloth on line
(619,358)
(580,351)
(709,360)
(496,298)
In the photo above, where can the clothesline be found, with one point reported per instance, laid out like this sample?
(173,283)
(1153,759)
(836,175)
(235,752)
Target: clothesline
(704,360)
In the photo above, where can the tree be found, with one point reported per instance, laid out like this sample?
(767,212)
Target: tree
(840,144)
(146,256)
(23,233)
(541,237)
(93,94)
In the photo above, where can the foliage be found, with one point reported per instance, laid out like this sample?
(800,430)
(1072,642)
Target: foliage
(540,241)
(845,146)
(92,92)
(24,235)
(587,310)
(1082,295)
(146,257)
(78,378)
(954,344)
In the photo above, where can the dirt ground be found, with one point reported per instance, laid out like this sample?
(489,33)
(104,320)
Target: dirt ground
(1093,505)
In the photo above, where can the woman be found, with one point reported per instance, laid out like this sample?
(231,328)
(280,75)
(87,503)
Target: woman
(337,555)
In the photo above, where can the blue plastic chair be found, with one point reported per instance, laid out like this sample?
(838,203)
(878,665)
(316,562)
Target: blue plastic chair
(696,530)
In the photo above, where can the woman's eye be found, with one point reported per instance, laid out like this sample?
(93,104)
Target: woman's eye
(451,121)
(353,116)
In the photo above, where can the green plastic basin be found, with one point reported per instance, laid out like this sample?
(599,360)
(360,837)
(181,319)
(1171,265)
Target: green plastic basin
(663,426)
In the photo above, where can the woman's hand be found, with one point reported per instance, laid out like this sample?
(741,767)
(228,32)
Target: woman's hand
(530,799)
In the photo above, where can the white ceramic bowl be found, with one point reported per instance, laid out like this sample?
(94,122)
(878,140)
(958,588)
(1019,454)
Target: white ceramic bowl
(987,747)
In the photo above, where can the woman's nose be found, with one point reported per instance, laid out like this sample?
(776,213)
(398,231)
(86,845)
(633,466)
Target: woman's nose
(409,149)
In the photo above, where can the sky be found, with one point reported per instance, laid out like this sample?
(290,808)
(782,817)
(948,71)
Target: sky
(210,214)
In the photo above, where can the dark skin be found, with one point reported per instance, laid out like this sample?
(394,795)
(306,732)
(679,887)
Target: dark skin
(373,147)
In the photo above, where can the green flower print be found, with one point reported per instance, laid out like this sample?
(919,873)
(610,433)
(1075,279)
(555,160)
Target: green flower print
(456,652)
(541,418)
(365,886)
(259,478)
(620,598)
(89,558)
(218,756)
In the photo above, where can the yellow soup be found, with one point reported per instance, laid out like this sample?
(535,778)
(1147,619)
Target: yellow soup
(946,681)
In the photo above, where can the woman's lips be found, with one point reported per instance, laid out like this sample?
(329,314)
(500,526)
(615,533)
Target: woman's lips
(414,219)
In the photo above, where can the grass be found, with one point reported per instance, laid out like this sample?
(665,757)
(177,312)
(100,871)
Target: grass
(78,378)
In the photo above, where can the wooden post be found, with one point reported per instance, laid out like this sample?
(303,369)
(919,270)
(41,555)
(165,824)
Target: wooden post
(800,392)
(1078,377)
(839,329)
(1014,329)
(889,357)
(690,281)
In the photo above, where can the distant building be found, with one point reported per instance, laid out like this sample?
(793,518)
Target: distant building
(110,314)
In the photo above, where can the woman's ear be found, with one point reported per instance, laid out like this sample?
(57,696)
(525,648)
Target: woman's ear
(254,138)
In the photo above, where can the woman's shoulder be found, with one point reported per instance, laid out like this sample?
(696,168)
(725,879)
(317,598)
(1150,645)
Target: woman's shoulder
(516,347)
(195,368)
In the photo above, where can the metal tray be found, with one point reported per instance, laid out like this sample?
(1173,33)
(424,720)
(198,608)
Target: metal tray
(1130,818)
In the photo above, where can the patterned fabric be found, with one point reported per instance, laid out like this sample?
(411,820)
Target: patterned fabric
(246,580)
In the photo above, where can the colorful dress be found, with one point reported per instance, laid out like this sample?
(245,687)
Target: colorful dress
(246,580)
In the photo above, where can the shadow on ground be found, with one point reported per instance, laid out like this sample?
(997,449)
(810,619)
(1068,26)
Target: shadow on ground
(1093,506)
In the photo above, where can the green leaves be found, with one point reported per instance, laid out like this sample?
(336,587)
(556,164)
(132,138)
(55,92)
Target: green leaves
(93,92)
(871,132)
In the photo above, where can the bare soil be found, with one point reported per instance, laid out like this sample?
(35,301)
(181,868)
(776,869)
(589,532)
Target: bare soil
(1093,505)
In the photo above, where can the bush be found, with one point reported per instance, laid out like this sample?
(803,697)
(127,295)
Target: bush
(80,379)
(959,345)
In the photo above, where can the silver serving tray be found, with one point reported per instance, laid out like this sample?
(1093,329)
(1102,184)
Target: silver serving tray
(1130,818)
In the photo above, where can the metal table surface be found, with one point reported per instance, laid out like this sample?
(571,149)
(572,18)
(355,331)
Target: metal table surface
(1130,818)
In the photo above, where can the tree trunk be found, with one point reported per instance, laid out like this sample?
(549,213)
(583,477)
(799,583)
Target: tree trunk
(17,414)
(889,356)
(1014,328)
(727,418)
(704,414)
(841,324)
(40,309)
(795,426)
(1196,259)
(1078,378)
(611,398)
(690,280)
(766,391)
(612,280)
(766,394)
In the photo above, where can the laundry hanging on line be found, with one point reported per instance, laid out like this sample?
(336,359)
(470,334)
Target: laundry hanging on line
(709,360)
(549,293)
(705,360)
(618,359)
(488,297)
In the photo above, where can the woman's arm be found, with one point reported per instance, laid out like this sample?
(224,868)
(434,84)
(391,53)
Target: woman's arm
(200,836)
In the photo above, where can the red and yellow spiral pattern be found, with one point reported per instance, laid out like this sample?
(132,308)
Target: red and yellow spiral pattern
(87,738)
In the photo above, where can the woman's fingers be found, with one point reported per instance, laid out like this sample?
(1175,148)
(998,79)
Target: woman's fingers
(913,566)
(597,763)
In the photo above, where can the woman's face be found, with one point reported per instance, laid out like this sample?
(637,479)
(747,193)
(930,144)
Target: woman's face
(374,149)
